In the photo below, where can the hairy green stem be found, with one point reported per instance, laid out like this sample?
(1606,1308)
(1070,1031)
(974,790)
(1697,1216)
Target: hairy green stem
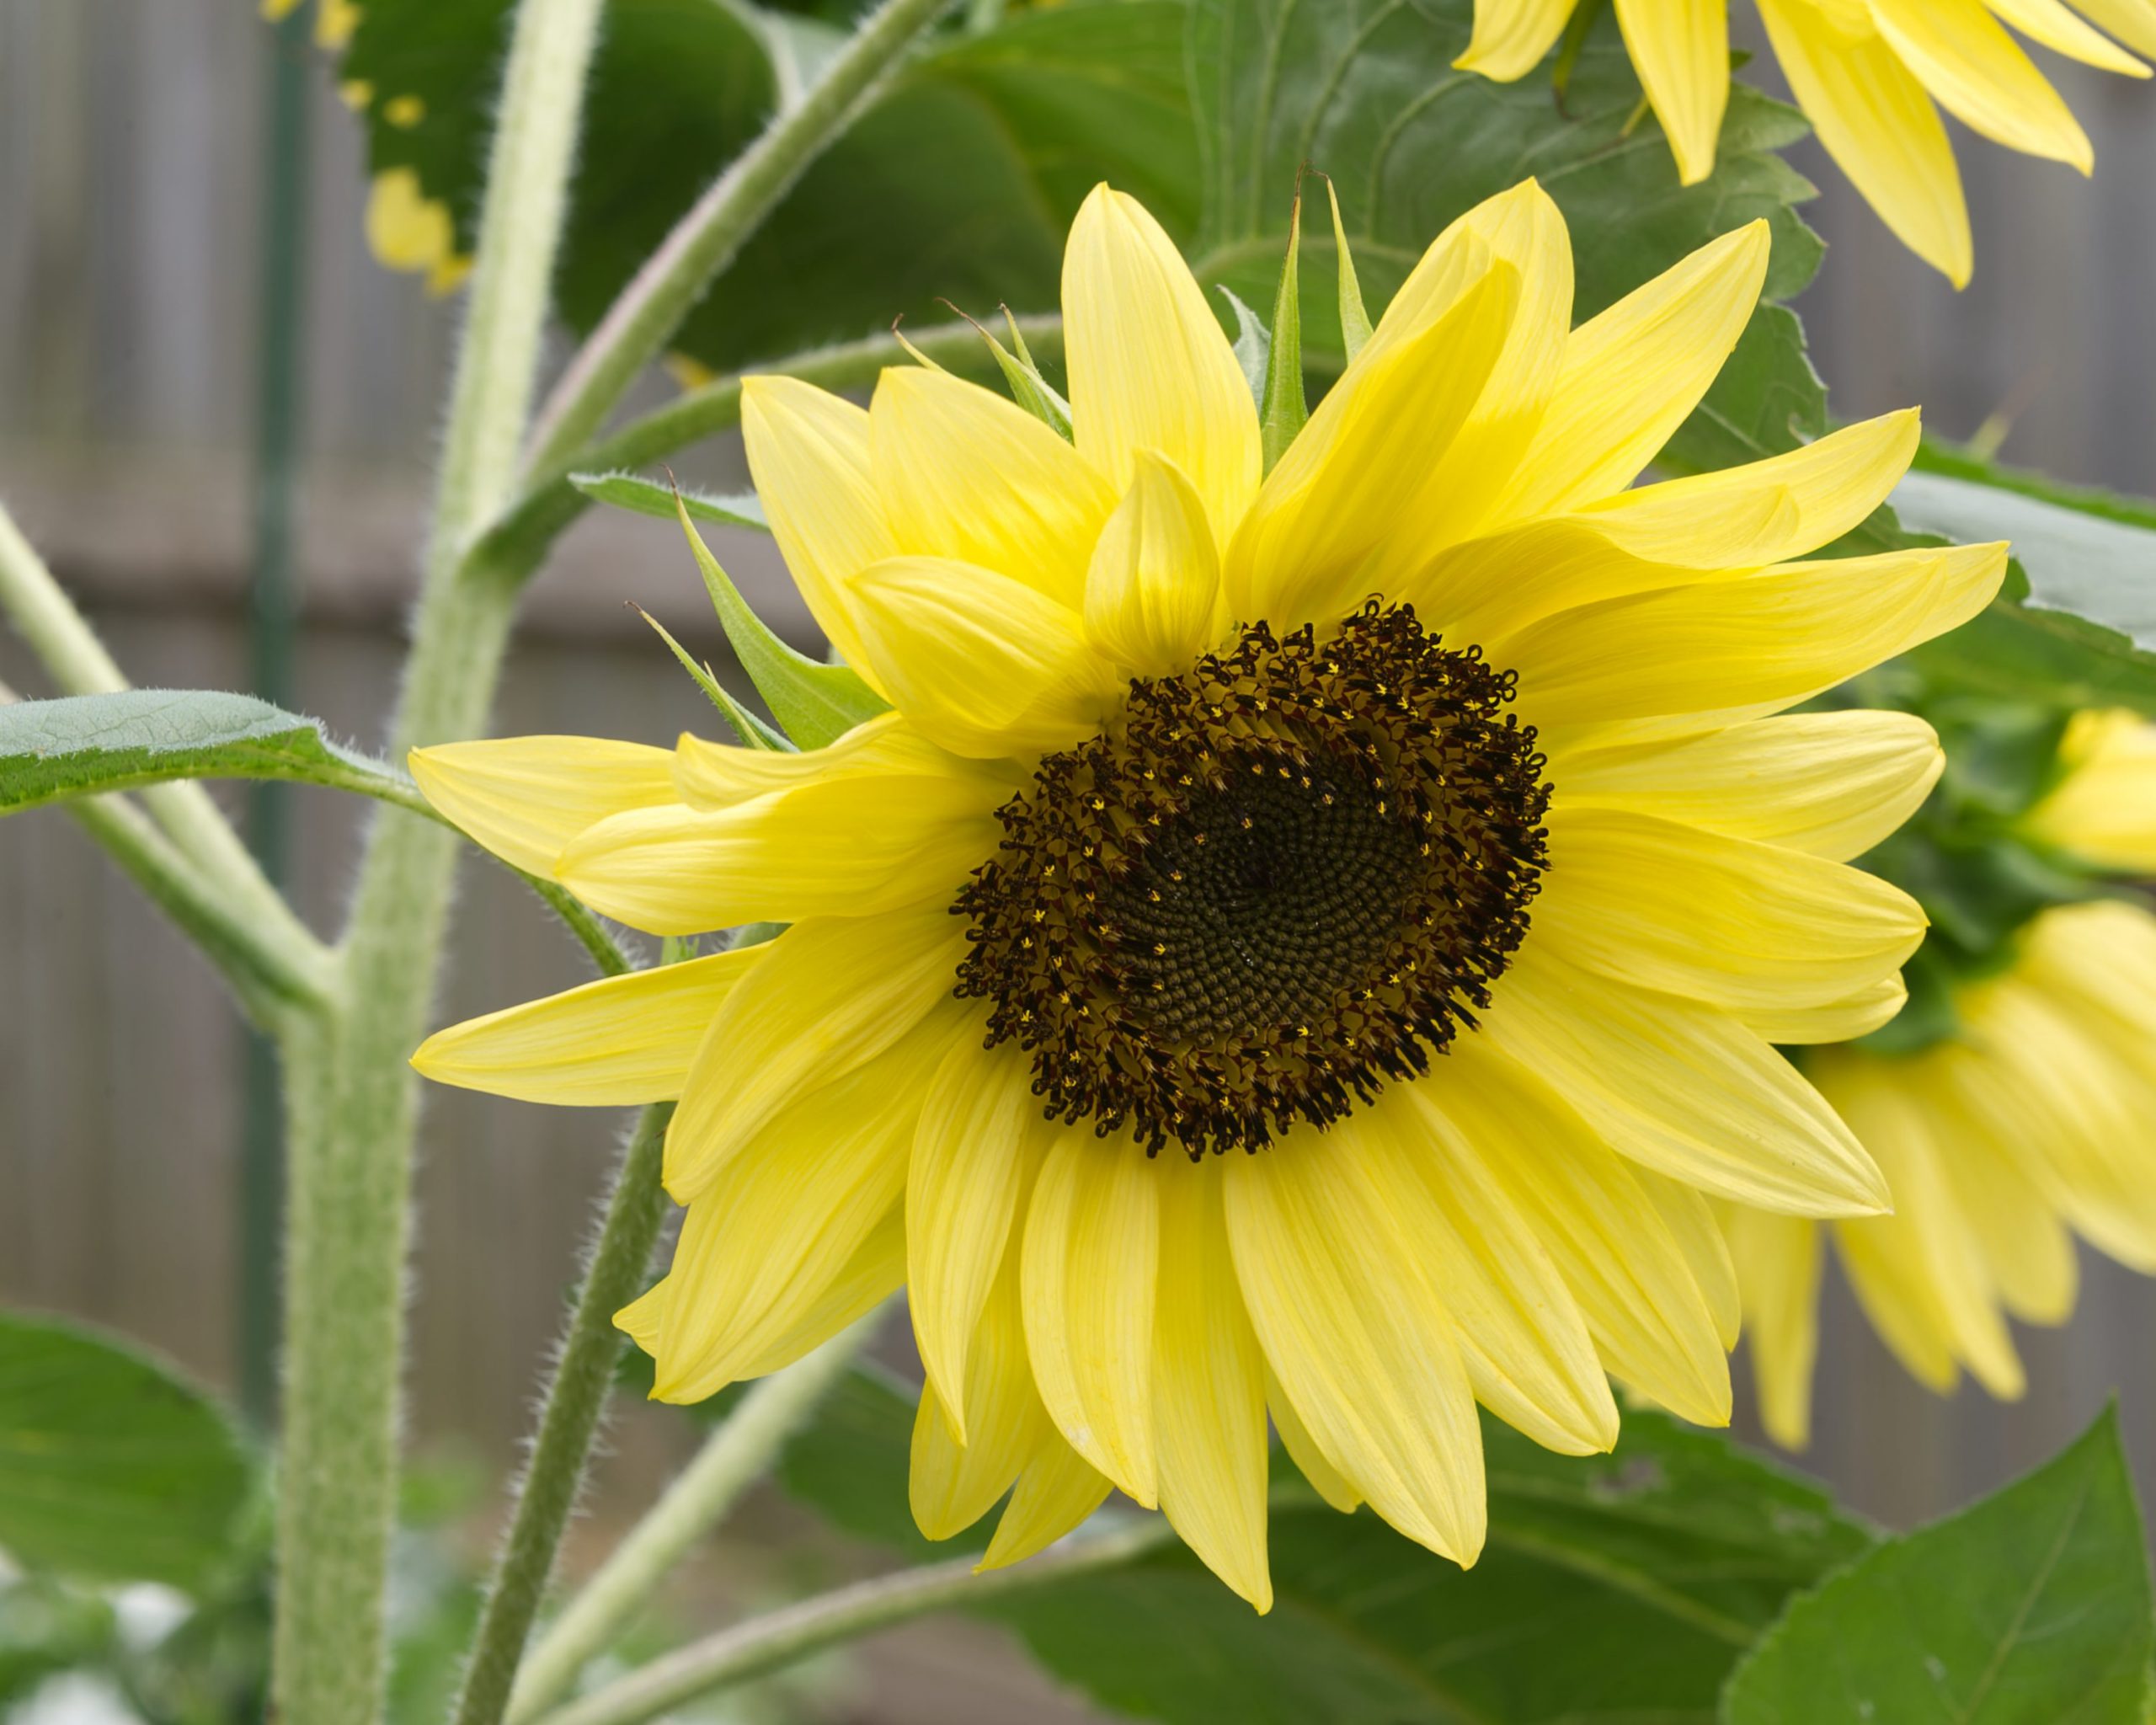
(652,307)
(519,537)
(576,1401)
(732,1461)
(786,1635)
(79,663)
(348,1226)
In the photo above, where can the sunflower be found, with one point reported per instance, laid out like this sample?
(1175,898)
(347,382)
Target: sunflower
(2029,1124)
(1303,943)
(1866,74)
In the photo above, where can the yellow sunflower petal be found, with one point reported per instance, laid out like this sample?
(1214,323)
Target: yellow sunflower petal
(2133,22)
(1782,635)
(2103,810)
(1843,1020)
(980,1138)
(1777,1260)
(776,1226)
(1632,374)
(1681,1088)
(1972,66)
(612,1042)
(809,456)
(1056,1493)
(1680,49)
(1152,600)
(1510,36)
(1609,1238)
(876,1271)
(859,845)
(1330,505)
(1208,1389)
(525,798)
(2056,27)
(981,664)
(1149,366)
(830,995)
(712,776)
(1743,926)
(1832,784)
(1325,1480)
(1876,122)
(1527,1349)
(1916,1273)
(1690,1220)
(953,1483)
(1092,1266)
(1358,1337)
(967,474)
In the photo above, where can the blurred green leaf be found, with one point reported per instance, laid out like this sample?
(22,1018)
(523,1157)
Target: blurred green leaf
(81,744)
(45,1629)
(112,1466)
(2029,1608)
(956,182)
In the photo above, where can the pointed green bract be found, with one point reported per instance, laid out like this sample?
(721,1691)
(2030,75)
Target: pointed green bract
(752,731)
(1354,320)
(1282,409)
(813,703)
(648,497)
(1028,388)
(1253,345)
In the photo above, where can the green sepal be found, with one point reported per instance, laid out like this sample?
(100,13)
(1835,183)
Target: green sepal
(1282,409)
(1253,345)
(813,703)
(752,731)
(1354,320)
(1028,388)
(648,497)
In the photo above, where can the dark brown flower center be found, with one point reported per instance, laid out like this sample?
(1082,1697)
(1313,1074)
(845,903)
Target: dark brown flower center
(1278,880)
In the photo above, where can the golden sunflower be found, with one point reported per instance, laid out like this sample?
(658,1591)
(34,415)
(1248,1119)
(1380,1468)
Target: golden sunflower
(1866,74)
(1213,808)
(2030,1124)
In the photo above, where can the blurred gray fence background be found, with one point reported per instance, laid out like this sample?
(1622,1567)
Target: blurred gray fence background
(132,144)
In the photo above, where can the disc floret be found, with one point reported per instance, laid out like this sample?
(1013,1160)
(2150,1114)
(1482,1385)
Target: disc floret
(1278,880)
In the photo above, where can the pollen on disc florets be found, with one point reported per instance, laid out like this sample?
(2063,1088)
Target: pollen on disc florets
(1276,881)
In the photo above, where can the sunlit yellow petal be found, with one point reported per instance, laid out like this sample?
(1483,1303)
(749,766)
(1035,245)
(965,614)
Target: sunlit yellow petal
(1843,1020)
(1358,1338)
(1325,1480)
(1057,1491)
(1684,1089)
(1208,1389)
(1153,598)
(1149,367)
(1510,40)
(1777,1261)
(2104,808)
(1092,1266)
(830,995)
(967,474)
(981,664)
(952,1484)
(617,1041)
(1957,49)
(1680,49)
(711,776)
(525,798)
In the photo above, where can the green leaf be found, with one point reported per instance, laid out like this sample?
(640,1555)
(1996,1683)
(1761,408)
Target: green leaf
(82,744)
(2078,625)
(958,180)
(1614,1588)
(112,1466)
(815,703)
(2029,1608)
(1282,408)
(648,497)
(1364,92)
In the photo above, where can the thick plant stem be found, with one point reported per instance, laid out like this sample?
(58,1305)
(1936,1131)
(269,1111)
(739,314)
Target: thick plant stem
(785,1636)
(348,1227)
(650,308)
(733,1459)
(74,657)
(576,1400)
